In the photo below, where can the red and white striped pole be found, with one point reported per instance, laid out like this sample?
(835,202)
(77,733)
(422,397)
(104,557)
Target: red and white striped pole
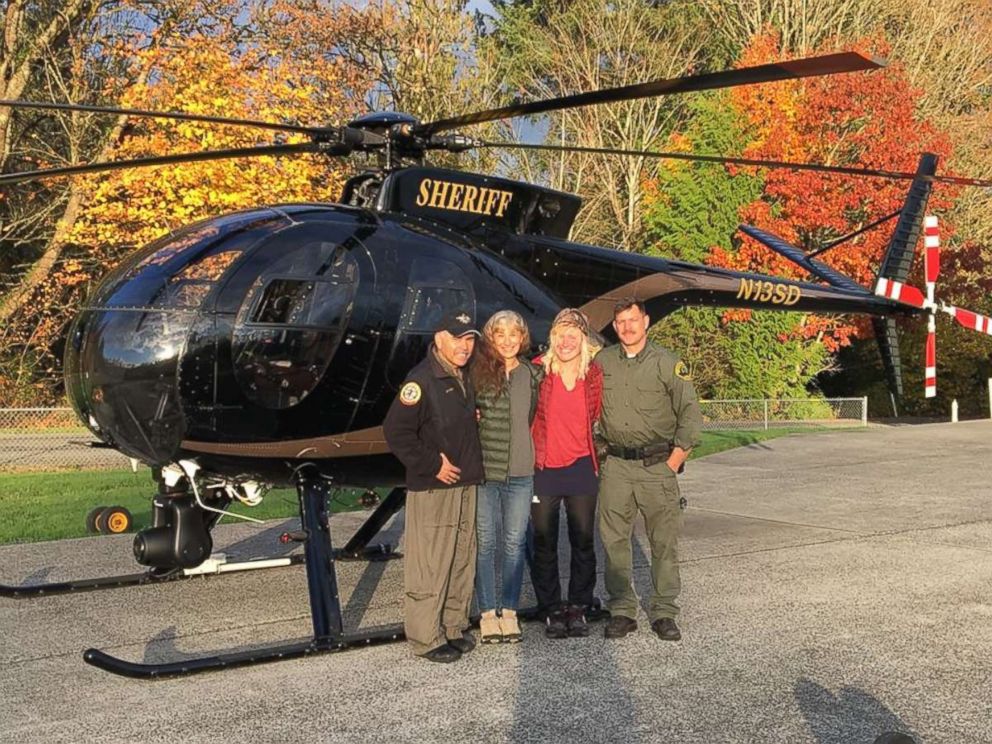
(931,263)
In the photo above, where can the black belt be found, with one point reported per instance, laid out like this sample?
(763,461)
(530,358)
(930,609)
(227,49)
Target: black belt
(638,453)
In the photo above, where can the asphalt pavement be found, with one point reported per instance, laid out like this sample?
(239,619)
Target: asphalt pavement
(836,586)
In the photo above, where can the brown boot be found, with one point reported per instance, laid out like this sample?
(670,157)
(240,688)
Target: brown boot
(490,628)
(511,627)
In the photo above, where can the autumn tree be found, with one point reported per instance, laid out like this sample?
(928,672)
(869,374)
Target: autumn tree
(222,69)
(866,120)
(132,207)
(940,46)
(858,119)
(692,208)
(40,56)
(76,52)
(551,48)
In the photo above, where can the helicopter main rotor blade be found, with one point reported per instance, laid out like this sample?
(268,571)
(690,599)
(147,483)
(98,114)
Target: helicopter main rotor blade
(789,165)
(190,157)
(829,64)
(159,115)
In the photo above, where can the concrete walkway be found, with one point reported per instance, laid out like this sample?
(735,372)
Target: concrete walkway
(836,586)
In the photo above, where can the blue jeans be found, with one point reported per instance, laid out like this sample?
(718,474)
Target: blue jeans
(511,500)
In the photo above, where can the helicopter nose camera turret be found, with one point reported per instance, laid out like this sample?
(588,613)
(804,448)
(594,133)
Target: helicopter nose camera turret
(178,537)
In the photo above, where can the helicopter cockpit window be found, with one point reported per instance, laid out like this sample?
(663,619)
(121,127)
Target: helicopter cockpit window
(284,301)
(188,288)
(436,287)
(316,259)
(290,326)
(301,302)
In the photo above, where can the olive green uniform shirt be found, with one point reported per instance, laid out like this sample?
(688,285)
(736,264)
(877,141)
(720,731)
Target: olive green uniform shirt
(648,399)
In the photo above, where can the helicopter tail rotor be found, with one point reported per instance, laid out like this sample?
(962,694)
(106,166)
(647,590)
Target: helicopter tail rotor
(912,296)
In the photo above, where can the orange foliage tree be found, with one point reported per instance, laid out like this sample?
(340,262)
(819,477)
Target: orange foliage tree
(860,120)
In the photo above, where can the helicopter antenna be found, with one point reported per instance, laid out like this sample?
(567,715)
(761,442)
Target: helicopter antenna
(829,64)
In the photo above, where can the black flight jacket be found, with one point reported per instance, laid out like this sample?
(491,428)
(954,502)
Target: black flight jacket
(432,415)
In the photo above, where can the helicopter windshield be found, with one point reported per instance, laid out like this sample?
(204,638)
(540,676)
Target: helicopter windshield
(134,332)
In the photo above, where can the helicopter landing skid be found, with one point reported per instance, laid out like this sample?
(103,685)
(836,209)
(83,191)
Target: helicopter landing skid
(325,607)
(214,565)
(327,644)
(358,548)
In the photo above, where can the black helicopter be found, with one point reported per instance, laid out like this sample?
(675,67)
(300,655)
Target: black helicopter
(264,347)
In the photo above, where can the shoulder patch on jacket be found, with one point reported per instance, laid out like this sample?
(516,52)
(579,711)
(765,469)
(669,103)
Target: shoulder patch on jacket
(410,394)
(682,371)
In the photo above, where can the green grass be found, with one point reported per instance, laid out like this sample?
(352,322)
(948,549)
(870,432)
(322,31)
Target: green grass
(53,506)
(718,441)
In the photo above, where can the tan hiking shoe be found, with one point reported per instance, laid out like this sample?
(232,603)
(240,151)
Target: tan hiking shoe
(511,627)
(490,628)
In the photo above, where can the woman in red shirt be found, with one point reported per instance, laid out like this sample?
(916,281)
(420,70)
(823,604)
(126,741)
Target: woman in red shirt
(566,471)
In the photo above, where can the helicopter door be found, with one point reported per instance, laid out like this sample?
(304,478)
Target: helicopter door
(289,328)
(435,287)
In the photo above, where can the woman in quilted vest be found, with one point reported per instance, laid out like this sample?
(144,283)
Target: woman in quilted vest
(506,395)
(566,472)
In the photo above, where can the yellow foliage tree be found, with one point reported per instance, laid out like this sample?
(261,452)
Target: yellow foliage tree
(131,207)
(233,69)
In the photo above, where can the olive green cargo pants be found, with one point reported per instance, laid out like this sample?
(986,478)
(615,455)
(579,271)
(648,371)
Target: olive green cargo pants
(626,487)
(439,547)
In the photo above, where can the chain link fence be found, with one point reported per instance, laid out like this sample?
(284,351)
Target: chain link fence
(51,439)
(54,439)
(757,413)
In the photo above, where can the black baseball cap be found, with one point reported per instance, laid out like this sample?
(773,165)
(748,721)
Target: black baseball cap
(458,323)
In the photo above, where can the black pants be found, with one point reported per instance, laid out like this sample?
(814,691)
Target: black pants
(581,514)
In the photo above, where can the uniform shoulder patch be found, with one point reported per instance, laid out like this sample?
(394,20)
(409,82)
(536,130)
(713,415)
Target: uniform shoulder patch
(410,394)
(682,371)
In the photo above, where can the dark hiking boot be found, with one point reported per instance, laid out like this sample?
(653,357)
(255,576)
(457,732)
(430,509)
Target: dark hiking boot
(619,626)
(464,644)
(577,626)
(557,625)
(443,654)
(666,629)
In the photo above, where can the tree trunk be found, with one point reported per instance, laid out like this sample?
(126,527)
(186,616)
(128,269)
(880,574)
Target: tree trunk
(16,65)
(44,264)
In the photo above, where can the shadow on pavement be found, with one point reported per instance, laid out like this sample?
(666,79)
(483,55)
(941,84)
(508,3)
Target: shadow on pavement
(561,682)
(850,716)
(37,577)
(361,597)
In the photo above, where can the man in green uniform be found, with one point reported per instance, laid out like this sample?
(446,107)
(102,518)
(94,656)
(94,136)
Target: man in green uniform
(650,420)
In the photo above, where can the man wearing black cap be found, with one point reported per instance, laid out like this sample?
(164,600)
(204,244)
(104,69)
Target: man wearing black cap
(431,427)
